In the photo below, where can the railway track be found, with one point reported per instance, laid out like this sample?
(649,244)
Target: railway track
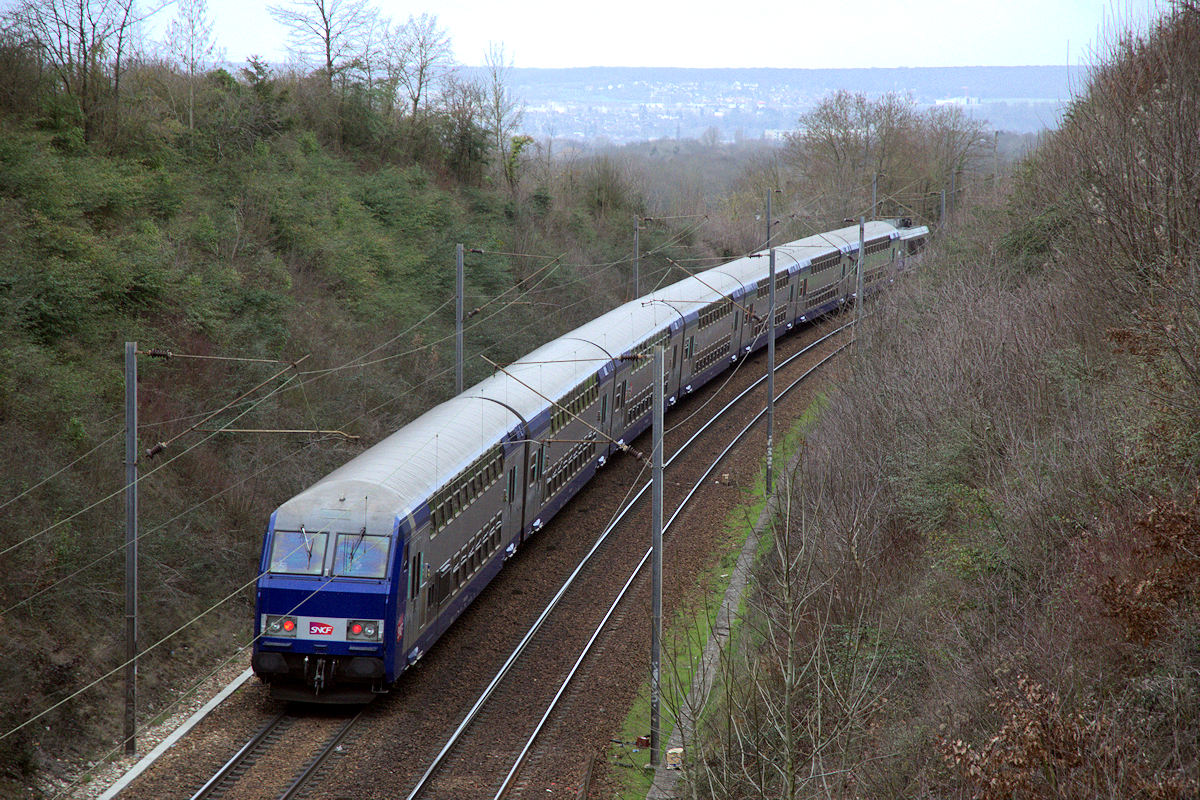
(245,758)
(517,705)
(292,733)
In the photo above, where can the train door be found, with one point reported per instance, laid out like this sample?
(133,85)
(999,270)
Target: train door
(415,614)
(514,490)
(534,479)
(603,415)
(688,368)
(673,366)
(620,392)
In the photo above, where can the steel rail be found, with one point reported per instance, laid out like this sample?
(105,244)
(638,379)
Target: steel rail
(554,601)
(506,785)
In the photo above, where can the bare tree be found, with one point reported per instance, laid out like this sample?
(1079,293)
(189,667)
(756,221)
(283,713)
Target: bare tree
(799,697)
(190,39)
(465,137)
(85,43)
(850,140)
(417,55)
(504,113)
(326,33)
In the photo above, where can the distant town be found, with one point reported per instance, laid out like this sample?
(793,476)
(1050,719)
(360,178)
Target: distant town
(626,104)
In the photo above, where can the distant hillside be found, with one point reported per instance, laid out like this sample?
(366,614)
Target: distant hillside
(632,103)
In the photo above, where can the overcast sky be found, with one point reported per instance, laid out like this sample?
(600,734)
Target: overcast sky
(729,33)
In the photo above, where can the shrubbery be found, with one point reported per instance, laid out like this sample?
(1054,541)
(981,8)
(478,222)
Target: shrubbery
(999,511)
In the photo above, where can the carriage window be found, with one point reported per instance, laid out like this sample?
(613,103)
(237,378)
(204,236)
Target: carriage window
(360,556)
(298,552)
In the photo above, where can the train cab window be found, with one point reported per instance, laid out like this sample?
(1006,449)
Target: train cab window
(298,552)
(360,556)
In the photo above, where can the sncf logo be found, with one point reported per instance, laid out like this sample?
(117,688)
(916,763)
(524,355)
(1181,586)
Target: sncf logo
(320,629)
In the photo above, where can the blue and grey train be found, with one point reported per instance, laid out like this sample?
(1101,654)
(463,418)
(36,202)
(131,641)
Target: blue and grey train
(365,569)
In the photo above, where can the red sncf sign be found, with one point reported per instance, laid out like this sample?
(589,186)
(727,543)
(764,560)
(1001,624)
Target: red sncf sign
(320,629)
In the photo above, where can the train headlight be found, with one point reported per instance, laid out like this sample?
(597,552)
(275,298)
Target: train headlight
(277,625)
(364,630)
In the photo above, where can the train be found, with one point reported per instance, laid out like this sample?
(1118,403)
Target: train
(364,570)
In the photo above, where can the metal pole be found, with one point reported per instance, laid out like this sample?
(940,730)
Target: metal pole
(656,528)
(458,320)
(131,537)
(858,290)
(770,357)
(637,230)
(942,217)
(874,194)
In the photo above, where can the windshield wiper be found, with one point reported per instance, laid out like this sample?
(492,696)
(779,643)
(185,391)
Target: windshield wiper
(354,548)
(308,543)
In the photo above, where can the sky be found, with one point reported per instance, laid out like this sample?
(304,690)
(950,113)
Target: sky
(728,33)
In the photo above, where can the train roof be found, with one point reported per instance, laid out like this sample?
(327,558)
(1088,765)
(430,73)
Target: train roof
(393,477)
(804,251)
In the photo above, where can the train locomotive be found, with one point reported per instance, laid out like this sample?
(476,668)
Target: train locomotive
(365,569)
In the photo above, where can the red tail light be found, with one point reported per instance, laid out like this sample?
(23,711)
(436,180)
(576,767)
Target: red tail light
(289,625)
(356,628)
